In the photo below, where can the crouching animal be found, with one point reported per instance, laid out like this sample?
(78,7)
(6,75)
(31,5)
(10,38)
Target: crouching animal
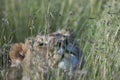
(39,58)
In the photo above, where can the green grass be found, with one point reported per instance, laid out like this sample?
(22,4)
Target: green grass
(96,23)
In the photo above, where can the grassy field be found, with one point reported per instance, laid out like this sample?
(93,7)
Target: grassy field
(96,23)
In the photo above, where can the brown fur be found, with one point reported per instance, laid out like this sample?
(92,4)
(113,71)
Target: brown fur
(17,53)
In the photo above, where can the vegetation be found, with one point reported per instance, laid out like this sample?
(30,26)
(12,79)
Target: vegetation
(96,23)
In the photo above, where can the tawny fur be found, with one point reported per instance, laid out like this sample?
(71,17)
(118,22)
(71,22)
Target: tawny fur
(17,53)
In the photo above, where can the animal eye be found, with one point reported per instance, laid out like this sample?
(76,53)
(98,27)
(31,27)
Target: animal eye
(21,55)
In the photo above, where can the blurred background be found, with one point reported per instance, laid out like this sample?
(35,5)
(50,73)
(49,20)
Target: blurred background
(96,24)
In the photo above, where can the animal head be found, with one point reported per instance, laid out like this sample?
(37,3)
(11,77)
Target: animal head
(17,53)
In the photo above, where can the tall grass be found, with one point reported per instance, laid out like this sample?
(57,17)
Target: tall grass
(32,17)
(95,22)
